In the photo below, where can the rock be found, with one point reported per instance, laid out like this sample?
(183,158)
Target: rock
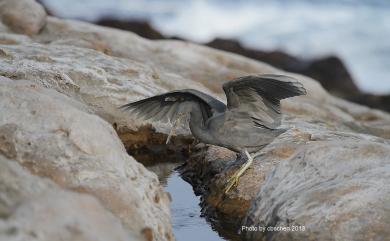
(54,136)
(142,28)
(146,139)
(329,71)
(105,68)
(34,208)
(23,16)
(374,101)
(322,168)
(335,187)
(157,56)
(62,90)
(17,185)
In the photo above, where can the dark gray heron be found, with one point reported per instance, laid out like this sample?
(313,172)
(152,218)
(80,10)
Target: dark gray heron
(249,122)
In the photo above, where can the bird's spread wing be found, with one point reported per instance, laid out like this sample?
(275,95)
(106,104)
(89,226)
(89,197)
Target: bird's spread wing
(256,98)
(167,106)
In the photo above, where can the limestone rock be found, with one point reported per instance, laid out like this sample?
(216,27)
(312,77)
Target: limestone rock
(321,174)
(54,136)
(106,68)
(34,208)
(23,16)
(17,185)
(336,187)
(78,72)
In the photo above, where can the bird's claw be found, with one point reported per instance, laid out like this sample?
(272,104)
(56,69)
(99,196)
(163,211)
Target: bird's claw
(235,178)
(232,182)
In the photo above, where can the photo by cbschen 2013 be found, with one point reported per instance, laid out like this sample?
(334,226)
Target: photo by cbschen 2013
(194,120)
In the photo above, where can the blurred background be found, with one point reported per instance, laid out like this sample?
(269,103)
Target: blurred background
(342,43)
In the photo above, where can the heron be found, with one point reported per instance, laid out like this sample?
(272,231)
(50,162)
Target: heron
(249,121)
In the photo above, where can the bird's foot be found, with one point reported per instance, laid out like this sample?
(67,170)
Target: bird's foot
(235,178)
(232,182)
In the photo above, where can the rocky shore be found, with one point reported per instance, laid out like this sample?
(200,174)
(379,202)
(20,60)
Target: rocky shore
(65,173)
(330,71)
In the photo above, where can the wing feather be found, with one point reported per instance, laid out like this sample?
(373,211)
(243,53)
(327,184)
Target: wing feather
(256,98)
(166,106)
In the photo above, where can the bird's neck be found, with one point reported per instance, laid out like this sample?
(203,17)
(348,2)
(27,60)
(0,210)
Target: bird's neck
(198,127)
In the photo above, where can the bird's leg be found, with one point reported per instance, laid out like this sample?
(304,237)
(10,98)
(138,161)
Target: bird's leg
(174,126)
(234,179)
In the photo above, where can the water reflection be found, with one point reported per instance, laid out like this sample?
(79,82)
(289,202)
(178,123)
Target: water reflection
(188,225)
(186,220)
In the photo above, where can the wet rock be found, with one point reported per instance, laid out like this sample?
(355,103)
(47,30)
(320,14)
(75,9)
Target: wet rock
(23,16)
(34,208)
(205,162)
(54,136)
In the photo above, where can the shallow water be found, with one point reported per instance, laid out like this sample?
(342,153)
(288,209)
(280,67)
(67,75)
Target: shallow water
(187,223)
